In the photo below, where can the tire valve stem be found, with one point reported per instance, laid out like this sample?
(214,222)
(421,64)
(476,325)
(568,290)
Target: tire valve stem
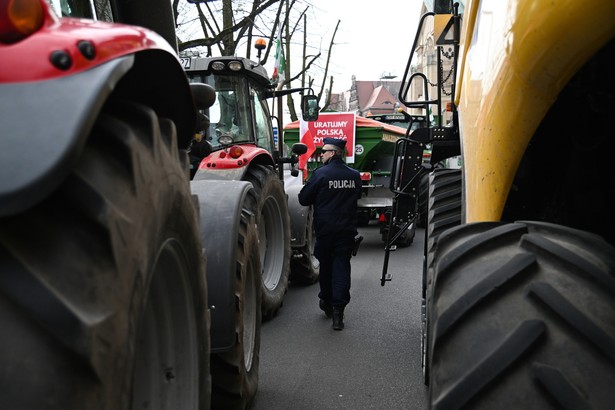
(169,375)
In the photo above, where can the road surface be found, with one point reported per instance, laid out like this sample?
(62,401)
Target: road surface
(374,363)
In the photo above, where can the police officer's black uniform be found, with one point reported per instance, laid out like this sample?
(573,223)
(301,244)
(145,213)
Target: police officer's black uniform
(333,190)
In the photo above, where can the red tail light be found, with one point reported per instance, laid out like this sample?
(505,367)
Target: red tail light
(235,151)
(19,19)
(366,176)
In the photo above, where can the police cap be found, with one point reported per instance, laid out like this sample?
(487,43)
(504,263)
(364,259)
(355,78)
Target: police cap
(333,144)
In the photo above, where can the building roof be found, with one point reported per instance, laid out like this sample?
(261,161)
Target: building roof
(377,96)
(380,99)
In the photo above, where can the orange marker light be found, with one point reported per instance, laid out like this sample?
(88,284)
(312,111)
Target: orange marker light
(19,19)
(260,44)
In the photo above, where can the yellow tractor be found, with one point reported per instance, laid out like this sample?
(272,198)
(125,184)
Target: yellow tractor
(519,269)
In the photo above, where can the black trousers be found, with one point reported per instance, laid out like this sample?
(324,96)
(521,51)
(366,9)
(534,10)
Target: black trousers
(334,252)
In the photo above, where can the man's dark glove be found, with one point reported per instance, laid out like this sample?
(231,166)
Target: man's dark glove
(357,242)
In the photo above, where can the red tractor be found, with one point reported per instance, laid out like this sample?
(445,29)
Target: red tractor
(238,143)
(122,284)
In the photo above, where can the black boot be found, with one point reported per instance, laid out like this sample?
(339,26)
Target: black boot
(338,318)
(325,307)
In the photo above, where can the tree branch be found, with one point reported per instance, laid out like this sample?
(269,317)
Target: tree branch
(223,34)
(324,78)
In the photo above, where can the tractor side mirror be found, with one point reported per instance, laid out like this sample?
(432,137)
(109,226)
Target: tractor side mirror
(299,148)
(309,107)
(204,95)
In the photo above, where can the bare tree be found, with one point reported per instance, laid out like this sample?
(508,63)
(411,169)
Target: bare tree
(311,80)
(324,77)
(226,35)
(221,30)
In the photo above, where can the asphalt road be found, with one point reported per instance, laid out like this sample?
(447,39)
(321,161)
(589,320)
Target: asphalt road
(374,363)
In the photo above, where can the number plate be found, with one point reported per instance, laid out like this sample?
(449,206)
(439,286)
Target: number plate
(185,62)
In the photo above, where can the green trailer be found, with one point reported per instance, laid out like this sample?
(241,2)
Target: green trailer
(373,157)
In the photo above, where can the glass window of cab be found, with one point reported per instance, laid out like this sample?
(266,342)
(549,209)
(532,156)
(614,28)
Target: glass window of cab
(90,9)
(230,115)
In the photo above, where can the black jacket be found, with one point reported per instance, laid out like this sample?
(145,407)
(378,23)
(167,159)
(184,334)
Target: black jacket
(333,189)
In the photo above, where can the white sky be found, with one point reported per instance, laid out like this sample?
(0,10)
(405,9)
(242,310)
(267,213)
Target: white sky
(374,37)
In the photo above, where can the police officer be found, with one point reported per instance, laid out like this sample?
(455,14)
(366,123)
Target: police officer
(333,190)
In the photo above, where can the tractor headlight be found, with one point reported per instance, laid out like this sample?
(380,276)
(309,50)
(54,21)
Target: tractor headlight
(218,66)
(225,140)
(235,66)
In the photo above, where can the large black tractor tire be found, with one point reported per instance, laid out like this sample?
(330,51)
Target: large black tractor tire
(102,285)
(305,270)
(443,212)
(235,373)
(522,318)
(444,206)
(422,200)
(270,206)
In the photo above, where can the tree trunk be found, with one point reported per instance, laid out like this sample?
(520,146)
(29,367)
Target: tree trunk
(228,48)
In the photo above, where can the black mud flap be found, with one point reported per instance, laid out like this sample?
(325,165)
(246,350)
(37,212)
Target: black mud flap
(221,204)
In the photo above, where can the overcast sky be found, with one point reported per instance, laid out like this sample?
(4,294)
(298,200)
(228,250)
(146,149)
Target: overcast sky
(374,37)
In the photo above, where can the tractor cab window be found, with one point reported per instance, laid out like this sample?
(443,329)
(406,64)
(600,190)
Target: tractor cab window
(90,9)
(230,115)
(73,8)
(264,130)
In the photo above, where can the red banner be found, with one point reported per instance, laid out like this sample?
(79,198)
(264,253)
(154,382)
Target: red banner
(335,125)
